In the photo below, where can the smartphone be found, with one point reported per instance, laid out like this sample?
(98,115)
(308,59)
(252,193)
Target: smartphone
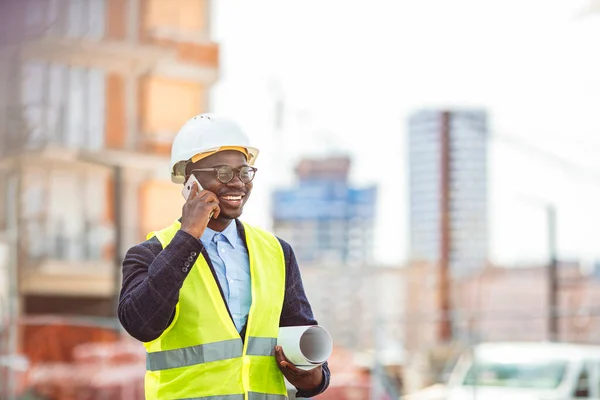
(187,188)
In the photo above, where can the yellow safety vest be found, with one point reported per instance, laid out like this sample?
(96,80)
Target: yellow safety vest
(201,356)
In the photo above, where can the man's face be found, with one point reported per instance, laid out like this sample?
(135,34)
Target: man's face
(232,195)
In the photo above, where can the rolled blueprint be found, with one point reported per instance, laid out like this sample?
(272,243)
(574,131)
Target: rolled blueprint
(305,346)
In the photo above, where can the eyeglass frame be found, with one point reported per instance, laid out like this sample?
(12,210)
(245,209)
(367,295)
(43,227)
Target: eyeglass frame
(235,172)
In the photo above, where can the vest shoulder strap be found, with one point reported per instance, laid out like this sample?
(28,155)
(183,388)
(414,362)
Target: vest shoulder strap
(165,235)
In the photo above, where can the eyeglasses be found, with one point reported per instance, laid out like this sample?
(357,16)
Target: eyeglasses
(225,173)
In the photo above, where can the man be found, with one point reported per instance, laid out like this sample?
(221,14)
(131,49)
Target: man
(208,294)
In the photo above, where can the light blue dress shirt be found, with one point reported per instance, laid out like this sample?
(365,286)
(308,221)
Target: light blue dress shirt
(229,257)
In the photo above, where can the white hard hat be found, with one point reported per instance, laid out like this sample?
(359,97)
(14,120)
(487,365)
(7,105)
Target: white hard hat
(207,134)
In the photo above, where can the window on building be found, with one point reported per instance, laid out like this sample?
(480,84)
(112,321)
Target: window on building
(34,80)
(96,18)
(76,107)
(58,85)
(36,21)
(96,231)
(63,105)
(76,25)
(33,199)
(81,19)
(76,225)
(94,130)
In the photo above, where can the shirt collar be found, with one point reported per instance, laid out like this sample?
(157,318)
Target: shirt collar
(230,233)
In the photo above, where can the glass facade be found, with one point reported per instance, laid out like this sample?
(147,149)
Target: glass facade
(326,221)
(467,188)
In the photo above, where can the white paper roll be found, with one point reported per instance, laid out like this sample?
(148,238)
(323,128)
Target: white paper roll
(305,346)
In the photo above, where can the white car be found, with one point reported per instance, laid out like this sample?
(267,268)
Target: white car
(526,371)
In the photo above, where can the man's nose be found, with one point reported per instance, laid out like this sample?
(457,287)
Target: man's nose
(236,182)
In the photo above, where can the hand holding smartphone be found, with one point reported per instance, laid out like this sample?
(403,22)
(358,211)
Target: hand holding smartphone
(187,188)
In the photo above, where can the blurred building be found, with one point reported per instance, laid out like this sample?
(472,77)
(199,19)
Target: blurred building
(448,189)
(362,308)
(92,93)
(358,305)
(324,218)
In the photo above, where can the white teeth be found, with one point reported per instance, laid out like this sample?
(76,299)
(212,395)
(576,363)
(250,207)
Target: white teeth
(232,197)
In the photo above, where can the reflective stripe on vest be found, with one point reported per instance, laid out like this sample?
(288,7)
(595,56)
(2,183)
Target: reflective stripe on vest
(264,396)
(187,356)
(222,397)
(208,352)
(261,346)
(251,396)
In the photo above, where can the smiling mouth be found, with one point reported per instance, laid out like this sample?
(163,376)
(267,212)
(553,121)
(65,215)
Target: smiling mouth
(233,199)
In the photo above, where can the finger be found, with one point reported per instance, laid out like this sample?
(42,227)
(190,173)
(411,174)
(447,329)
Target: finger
(286,374)
(216,211)
(193,191)
(202,194)
(279,355)
(208,197)
(292,369)
(285,364)
(283,356)
(214,208)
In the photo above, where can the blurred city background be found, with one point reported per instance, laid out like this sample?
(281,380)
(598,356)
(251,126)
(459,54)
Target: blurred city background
(433,164)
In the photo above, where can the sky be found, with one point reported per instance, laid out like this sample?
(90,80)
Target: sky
(350,73)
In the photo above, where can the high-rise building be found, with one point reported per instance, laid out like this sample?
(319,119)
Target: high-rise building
(448,161)
(324,218)
(92,93)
